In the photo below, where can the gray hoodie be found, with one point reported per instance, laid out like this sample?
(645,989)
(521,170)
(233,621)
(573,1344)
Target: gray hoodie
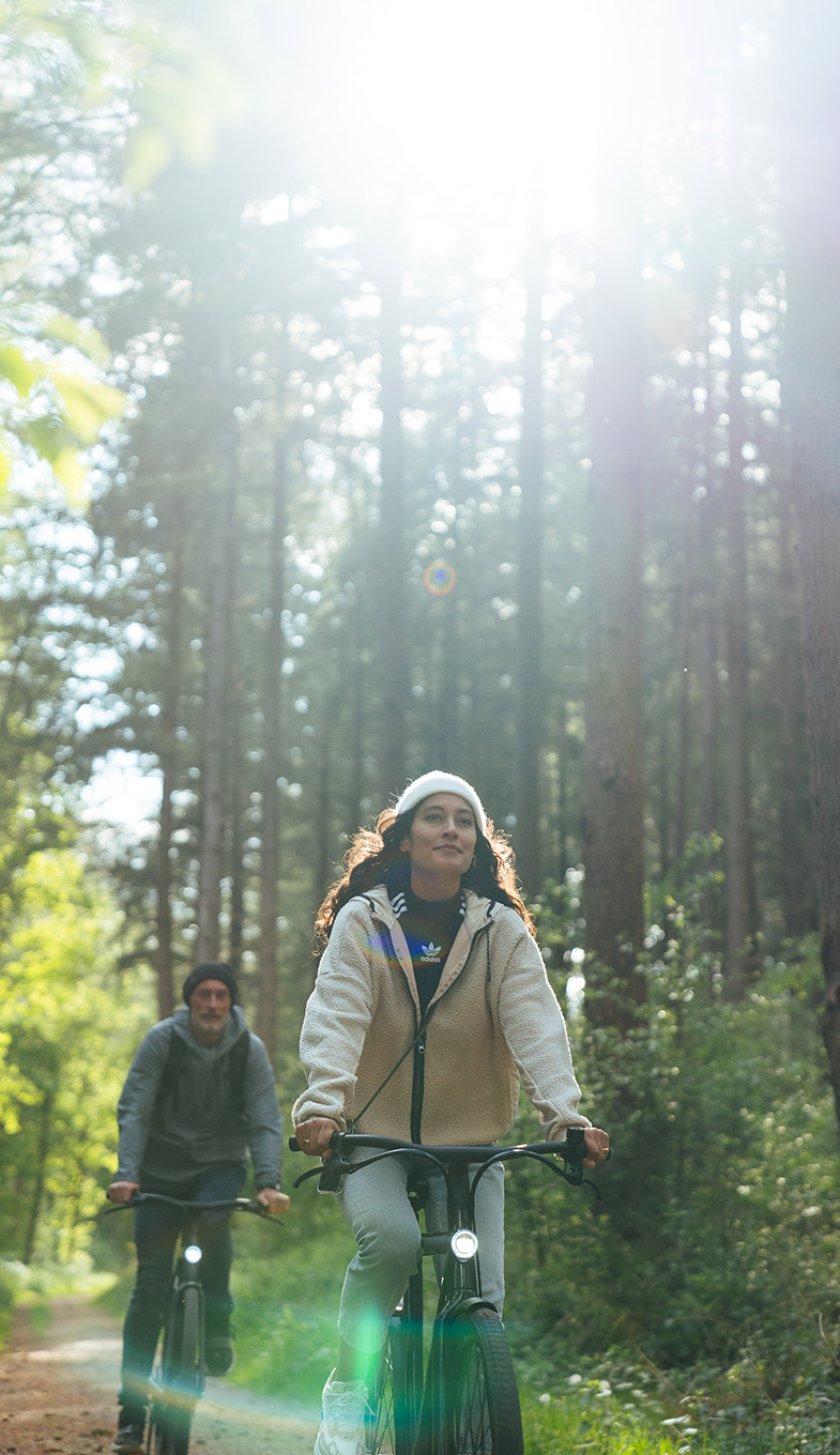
(170,1142)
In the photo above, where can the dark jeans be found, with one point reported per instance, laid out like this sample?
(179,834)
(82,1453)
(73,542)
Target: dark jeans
(156,1229)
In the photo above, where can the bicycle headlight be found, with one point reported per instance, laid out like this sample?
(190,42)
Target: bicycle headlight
(192,1253)
(464,1244)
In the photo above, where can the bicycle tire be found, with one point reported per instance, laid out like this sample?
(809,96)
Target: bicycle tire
(181,1378)
(482,1413)
(391,1431)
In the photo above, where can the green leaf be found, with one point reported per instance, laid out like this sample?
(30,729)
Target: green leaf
(86,404)
(18,369)
(81,335)
(49,436)
(147,155)
(70,470)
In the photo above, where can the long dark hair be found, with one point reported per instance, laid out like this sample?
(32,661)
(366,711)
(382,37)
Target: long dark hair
(373,852)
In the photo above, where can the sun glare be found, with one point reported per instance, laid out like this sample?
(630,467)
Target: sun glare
(462,108)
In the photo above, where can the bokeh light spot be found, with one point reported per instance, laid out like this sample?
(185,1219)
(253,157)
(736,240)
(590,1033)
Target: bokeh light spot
(439,578)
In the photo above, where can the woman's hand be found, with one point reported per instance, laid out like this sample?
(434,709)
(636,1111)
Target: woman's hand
(314,1136)
(597,1144)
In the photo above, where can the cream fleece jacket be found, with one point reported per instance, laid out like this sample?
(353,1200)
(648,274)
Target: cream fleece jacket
(495,1020)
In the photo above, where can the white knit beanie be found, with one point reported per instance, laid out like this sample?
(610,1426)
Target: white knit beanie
(438,782)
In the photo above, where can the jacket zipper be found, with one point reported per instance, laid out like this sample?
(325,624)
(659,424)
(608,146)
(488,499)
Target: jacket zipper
(418,1077)
(418,1086)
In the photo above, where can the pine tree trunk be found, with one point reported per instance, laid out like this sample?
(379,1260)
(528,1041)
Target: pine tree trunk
(446,727)
(216,681)
(741,910)
(237,798)
(323,853)
(796,847)
(268,989)
(529,725)
(391,565)
(811,45)
(169,765)
(709,634)
(613,852)
(684,681)
(359,680)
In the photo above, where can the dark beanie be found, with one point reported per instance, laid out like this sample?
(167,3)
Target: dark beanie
(211,970)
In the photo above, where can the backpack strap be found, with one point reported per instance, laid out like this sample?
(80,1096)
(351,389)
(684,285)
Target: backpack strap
(237,1070)
(168,1084)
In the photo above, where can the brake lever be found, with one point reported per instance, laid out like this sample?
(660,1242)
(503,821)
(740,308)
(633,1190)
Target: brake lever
(305,1176)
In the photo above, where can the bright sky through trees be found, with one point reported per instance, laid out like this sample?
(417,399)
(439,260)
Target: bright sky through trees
(453,107)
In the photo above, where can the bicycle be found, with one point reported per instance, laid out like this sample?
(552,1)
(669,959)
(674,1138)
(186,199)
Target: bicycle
(464,1400)
(177,1381)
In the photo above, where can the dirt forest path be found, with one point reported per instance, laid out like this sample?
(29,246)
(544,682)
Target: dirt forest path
(57,1396)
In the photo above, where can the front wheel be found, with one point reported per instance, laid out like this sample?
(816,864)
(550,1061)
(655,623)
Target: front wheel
(482,1414)
(181,1378)
(391,1430)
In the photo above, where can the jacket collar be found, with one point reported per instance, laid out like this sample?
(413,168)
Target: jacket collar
(478,910)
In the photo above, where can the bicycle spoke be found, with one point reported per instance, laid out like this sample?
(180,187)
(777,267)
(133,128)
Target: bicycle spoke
(483,1416)
(391,1426)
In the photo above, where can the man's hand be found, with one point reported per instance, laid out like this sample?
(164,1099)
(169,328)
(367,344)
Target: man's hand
(597,1144)
(314,1136)
(273,1201)
(122,1191)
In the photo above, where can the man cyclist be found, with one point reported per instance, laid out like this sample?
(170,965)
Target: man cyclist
(200,1095)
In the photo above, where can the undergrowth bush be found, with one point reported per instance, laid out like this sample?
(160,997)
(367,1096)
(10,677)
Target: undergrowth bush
(713,1248)
(286,1285)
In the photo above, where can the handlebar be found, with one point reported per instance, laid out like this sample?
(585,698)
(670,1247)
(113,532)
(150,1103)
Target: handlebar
(230,1204)
(570,1153)
(571,1150)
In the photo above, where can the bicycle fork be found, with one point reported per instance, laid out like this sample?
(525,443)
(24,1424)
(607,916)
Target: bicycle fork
(459,1295)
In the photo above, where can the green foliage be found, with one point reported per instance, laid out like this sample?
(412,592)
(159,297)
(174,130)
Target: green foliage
(593,1415)
(9,1284)
(712,1254)
(66,1033)
(287,1299)
(55,400)
(55,409)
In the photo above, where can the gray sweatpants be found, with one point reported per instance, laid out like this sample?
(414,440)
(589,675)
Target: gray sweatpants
(375,1202)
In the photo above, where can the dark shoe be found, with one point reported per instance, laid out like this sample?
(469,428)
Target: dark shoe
(218,1355)
(129,1440)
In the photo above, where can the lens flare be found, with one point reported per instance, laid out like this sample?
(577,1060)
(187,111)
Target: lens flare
(439,578)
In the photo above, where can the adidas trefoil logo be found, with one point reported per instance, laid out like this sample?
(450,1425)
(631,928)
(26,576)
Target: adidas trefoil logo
(430,951)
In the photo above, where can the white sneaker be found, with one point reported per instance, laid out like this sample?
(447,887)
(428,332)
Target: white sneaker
(343,1411)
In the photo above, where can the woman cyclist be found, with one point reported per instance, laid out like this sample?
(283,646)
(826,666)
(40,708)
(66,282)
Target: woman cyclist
(431,1004)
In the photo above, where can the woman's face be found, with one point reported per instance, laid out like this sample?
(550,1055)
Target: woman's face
(441,841)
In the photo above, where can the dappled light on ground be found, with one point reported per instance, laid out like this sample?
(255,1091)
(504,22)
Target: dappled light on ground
(57,1394)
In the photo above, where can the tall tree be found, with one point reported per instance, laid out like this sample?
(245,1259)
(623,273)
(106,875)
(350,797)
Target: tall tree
(741,913)
(267,1002)
(391,546)
(529,724)
(169,756)
(613,850)
(811,130)
(219,589)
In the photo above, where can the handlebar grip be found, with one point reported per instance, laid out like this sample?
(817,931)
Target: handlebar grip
(294,1145)
(575,1143)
